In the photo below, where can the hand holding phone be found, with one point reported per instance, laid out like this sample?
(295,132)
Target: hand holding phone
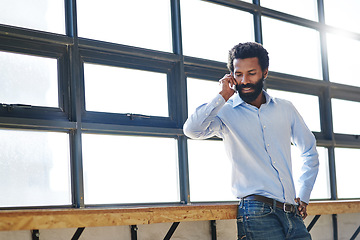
(228,86)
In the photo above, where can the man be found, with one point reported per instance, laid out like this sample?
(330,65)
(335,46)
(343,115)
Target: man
(257,131)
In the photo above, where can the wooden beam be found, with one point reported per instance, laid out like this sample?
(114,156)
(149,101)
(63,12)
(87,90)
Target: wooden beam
(334,207)
(11,220)
(74,218)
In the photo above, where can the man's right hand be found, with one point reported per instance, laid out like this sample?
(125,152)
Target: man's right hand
(228,84)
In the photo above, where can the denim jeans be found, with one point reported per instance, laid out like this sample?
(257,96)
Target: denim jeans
(257,220)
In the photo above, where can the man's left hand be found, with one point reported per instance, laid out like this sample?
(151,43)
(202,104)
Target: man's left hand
(301,207)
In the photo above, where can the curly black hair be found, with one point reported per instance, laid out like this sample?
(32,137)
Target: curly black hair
(248,50)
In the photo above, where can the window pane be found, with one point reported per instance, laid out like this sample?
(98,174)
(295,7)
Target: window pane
(343,55)
(346,116)
(343,14)
(199,92)
(34,168)
(301,8)
(292,49)
(209,171)
(307,106)
(347,172)
(124,169)
(139,23)
(44,15)
(321,188)
(122,90)
(208,29)
(28,80)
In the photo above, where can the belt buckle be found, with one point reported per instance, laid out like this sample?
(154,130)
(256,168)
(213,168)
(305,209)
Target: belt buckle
(291,208)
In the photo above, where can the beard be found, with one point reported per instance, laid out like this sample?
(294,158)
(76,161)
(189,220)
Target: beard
(251,96)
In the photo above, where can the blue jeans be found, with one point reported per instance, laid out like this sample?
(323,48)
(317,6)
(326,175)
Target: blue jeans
(258,220)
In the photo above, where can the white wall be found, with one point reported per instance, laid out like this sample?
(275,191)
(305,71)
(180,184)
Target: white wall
(347,225)
(226,230)
(322,230)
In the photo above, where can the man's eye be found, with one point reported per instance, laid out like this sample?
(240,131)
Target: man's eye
(252,74)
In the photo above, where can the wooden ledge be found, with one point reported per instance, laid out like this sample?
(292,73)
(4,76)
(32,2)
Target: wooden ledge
(333,207)
(11,220)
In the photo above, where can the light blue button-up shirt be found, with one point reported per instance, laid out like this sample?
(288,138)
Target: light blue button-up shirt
(258,142)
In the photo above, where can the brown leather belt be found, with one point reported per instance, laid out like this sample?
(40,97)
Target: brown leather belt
(286,207)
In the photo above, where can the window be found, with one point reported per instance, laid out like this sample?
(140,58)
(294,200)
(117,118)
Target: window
(34,168)
(139,23)
(210,37)
(199,92)
(209,171)
(80,74)
(345,117)
(128,169)
(342,14)
(83,68)
(28,80)
(47,15)
(306,9)
(292,49)
(347,172)
(123,90)
(342,52)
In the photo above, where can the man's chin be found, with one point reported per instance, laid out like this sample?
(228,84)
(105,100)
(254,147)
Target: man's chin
(248,97)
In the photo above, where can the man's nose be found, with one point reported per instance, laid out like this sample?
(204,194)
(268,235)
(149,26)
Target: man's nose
(244,80)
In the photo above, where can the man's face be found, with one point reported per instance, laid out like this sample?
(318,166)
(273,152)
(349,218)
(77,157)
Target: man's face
(249,78)
(250,96)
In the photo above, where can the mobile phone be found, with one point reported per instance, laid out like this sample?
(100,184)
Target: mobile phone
(233,87)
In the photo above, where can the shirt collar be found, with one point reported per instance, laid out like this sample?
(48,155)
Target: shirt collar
(238,101)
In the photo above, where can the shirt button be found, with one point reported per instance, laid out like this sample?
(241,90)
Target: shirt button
(264,126)
(268,145)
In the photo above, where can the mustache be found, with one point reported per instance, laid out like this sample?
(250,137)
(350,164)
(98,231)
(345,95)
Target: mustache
(256,85)
(248,85)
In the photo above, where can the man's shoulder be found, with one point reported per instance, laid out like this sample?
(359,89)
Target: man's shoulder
(282,102)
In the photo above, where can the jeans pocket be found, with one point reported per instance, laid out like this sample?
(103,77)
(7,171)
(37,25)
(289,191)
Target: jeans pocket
(261,222)
(257,209)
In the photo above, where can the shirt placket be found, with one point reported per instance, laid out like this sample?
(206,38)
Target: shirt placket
(268,147)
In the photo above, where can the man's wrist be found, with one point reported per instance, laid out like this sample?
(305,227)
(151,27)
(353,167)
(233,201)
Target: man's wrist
(226,95)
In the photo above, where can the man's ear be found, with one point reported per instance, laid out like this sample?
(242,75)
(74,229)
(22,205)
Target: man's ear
(265,73)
